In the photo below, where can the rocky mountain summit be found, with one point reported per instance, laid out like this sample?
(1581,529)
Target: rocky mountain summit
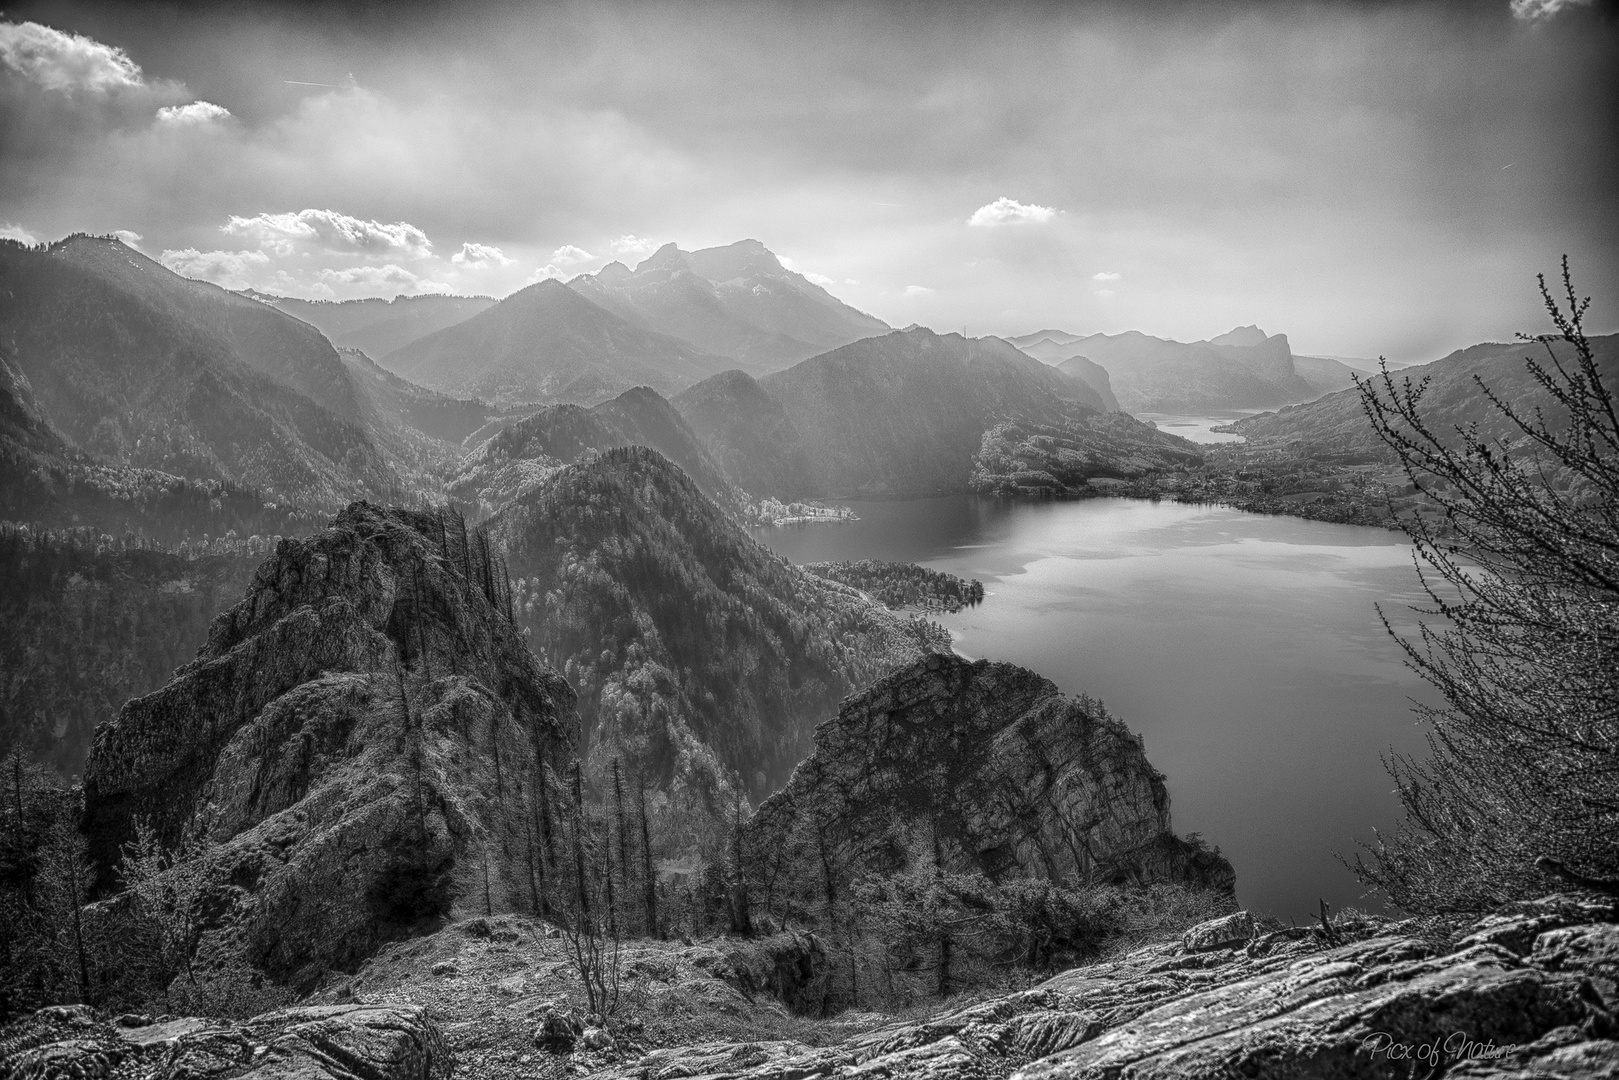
(1528,992)
(991,767)
(736,301)
(362,746)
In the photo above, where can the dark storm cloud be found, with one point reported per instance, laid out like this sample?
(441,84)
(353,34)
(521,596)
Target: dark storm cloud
(1334,171)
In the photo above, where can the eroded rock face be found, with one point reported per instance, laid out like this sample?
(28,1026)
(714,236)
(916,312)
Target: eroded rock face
(1534,1000)
(995,770)
(362,738)
(330,1042)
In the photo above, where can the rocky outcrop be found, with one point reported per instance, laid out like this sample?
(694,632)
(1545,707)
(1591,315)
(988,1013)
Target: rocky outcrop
(330,1042)
(1528,993)
(362,745)
(993,770)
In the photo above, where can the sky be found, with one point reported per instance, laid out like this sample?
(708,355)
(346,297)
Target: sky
(1369,178)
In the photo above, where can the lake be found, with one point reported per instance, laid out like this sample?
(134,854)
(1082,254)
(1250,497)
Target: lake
(1246,649)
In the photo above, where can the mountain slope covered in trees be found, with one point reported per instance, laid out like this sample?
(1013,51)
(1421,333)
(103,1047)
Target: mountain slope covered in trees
(698,654)
(1336,425)
(522,455)
(143,368)
(907,414)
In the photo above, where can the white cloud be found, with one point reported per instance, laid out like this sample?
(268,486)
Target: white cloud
(130,239)
(197,112)
(480,255)
(850,281)
(545,273)
(66,62)
(232,269)
(1005,211)
(918,290)
(820,279)
(1105,276)
(1105,294)
(331,231)
(1540,10)
(376,280)
(11,231)
(567,255)
(634,245)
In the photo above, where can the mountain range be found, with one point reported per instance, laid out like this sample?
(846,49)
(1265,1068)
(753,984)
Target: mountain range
(1241,369)
(376,326)
(905,413)
(1335,425)
(736,301)
(549,343)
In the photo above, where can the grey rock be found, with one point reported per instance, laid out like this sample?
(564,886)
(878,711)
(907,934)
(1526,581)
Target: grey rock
(1010,777)
(360,737)
(337,1042)
(1234,929)
(1386,1005)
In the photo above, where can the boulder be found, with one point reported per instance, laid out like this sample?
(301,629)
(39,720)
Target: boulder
(1230,931)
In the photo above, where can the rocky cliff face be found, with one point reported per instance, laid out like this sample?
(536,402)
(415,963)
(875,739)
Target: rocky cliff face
(994,770)
(363,740)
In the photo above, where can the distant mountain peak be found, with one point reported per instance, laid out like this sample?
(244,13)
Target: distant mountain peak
(669,256)
(1242,335)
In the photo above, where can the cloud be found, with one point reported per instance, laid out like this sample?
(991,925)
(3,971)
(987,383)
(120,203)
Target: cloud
(66,62)
(331,231)
(633,245)
(376,280)
(1105,294)
(1105,275)
(232,269)
(197,112)
(1531,11)
(820,279)
(546,273)
(480,255)
(130,238)
(1005,211)
(567,254)
(11,231)
(918,290)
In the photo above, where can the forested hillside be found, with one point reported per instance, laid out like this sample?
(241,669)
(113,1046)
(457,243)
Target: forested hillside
(907,414)
(521,455)
(86,623)
(697,653)
(143,368)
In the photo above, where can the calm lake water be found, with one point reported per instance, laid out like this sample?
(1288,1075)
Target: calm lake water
(1246,649)
(1199,429)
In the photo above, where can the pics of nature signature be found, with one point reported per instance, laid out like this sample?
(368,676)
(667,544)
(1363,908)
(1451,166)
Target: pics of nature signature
(809,540)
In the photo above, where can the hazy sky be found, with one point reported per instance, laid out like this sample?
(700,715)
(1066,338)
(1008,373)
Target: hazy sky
(1367,178)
